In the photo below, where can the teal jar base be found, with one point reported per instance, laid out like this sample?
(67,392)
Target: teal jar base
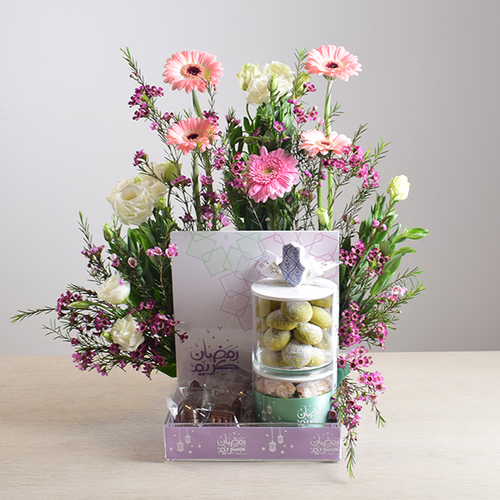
(294,410)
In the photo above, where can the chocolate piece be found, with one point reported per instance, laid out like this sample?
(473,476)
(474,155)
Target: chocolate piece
(188,412)
(194,386)
(221,414)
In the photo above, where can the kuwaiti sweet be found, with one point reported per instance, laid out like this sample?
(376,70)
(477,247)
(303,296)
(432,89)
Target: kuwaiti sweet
(260,339)
(321,317)
(277,319)
(275,388)
(314,388)
(308,333)
(296,354)
(326,342)
(299,311)
(271,358)
(264,307)
(275,339)
(317,357)
(261,325)
(326,302)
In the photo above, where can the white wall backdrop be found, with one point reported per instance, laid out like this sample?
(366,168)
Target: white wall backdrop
(429,85)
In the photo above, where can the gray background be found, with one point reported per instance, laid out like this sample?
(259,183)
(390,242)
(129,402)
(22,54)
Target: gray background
(429,86)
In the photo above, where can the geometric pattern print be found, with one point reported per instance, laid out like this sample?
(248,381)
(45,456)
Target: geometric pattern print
(233,258)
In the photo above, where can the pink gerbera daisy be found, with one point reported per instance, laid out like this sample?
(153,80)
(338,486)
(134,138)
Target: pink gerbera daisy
(190,134)
(314,142)
(192,71)
(271,175)
(333,62)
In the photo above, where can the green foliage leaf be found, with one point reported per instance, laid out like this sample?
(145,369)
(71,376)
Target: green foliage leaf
(403,251)
(392,266)
(385,247)
(389,269)
(416,233)
(169,369)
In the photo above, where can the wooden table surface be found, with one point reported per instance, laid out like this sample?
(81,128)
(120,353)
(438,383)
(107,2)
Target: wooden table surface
(71,435)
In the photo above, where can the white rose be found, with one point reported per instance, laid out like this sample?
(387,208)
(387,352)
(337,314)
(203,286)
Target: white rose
(131,202)
(247,74)
(125,334)
(399,188)
(114,290)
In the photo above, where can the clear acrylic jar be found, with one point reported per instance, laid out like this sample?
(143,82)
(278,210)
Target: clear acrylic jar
(295,328)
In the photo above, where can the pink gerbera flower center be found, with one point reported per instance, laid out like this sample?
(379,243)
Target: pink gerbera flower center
(192,71)
(331,65)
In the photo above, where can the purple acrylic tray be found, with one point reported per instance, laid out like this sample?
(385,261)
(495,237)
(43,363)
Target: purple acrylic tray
(252,441)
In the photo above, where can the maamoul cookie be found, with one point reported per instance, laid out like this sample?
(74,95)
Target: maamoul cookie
(296,354)
(260,325)
(321,317)
(277,319)
(308,333)
(315,388)
(317,357)
(275,339)
(299,311)
(271,358)
(326,342)
(275,388)
(326,302)
(264,307)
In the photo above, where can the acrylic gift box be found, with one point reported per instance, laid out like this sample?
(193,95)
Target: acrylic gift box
(212,278)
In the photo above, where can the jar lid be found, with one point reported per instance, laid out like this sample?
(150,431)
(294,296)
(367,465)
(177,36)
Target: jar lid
(276,289)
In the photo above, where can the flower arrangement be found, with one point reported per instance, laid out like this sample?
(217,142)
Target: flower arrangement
(282,167)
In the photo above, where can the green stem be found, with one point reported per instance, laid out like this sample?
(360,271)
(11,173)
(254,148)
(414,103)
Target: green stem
(196,104)
(196,192)
(328,131)
(328,111)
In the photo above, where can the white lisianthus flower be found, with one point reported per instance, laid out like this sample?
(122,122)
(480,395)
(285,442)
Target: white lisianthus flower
(284,74)
(247,74)
(399,188)
(258,91)
(131,202)
(114,290)
(124,333)
(166,172)
(258,87)
(155,188)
